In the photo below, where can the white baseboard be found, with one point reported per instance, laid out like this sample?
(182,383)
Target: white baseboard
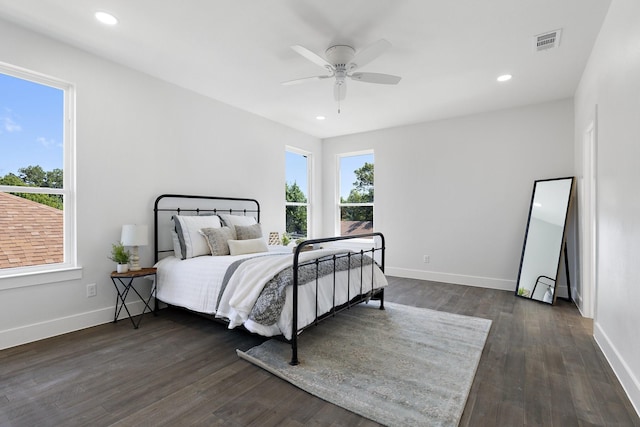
(629,382)
(457,279)
(577,298)
(51,328)
(578,301)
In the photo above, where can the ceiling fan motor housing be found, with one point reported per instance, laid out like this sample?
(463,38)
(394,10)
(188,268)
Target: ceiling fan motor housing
(340,55)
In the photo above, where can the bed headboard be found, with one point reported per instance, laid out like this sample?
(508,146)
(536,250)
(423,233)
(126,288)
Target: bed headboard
(168,205)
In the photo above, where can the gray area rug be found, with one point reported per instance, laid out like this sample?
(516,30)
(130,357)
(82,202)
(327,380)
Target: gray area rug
(404,366)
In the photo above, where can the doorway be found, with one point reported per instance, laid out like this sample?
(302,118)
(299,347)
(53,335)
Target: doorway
(588,207)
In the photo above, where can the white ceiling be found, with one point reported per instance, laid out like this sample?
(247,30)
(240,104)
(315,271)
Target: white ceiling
(448,53)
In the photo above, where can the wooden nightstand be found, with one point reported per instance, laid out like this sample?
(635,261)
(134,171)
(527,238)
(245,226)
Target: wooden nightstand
(126,281)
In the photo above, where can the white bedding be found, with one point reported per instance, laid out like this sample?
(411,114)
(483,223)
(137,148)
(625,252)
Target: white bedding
(195,284)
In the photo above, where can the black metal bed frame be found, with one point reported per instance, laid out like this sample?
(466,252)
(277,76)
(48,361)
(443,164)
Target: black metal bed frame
(197,211)
(254,208)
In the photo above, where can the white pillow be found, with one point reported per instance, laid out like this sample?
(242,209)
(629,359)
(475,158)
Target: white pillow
(250,246)
(232,220)
(177,249)
(192,243)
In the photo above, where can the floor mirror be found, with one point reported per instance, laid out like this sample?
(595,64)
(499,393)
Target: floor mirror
(544,239)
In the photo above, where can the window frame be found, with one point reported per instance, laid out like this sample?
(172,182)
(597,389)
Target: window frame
(68,269)
(339,205)
(309,156)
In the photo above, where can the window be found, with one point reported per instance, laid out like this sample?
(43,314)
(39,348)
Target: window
(297,193)
(36,173)
(355,203)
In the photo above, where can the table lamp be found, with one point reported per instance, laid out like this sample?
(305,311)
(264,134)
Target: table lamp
(134,235)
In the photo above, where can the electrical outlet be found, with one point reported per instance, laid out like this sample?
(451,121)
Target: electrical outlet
(426,259)
(92,290)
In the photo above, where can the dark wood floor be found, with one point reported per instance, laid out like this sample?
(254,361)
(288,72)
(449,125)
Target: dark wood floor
(540,367)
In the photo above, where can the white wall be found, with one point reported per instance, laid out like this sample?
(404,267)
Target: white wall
(612,82)
(138,137)
(459,190)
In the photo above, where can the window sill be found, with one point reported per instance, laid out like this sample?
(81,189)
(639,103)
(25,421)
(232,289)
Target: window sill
(22,280)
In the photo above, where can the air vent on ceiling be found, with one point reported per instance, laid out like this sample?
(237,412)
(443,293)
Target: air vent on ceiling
(548,40)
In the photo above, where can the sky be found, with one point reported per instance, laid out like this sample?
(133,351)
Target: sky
(296,171)
(296,166)
(31,125)
(348,165)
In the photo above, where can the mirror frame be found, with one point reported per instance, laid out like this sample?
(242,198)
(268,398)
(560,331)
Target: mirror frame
(562,242)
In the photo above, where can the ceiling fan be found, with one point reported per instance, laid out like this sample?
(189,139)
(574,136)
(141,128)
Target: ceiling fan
(342,61)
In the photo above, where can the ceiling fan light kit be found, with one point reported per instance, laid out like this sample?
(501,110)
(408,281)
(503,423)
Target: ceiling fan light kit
(342,61)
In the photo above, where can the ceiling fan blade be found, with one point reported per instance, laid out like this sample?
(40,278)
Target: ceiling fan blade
(379,78)
(316,59)
(304,80)
(369,53)
(339,91)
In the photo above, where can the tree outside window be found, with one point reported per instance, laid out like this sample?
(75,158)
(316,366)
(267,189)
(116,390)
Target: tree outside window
(35,176)
(356,194)
(296,194)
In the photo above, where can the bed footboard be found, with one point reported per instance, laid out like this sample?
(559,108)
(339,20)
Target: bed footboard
(367,291)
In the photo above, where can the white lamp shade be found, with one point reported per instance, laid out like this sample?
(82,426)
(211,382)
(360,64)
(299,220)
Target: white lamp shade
(134,235)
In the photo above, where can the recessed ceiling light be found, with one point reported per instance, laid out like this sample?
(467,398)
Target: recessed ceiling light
(106,18)
(320,117)
(504,78)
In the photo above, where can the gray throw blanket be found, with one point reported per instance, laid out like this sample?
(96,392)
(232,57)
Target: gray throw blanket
(269,305)
(232,269)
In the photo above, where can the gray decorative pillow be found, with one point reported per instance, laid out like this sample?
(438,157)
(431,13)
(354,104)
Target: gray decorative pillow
(217,239)
(246,232)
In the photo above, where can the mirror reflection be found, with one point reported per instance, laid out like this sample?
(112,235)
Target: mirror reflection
(544,239)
